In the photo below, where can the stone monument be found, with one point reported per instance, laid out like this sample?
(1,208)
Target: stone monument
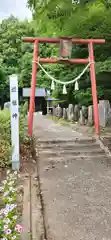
(104,108)
(82,118)
(90,115)
(76,113)
(71,112)
(64,113)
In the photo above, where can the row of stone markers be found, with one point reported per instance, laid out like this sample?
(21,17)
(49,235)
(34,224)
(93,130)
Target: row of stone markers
(75,114)
(84,115)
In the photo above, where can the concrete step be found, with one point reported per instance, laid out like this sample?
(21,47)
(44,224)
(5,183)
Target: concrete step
(71,152)
(107,141)
(69,146)
(82,140)
(70,158)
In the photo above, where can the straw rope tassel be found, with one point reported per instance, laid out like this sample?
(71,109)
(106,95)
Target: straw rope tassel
(52,85)
(76,86)
(64,90)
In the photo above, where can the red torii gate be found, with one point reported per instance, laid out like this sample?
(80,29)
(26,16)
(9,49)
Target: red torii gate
(90,43)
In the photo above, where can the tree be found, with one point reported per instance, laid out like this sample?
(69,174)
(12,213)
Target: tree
(89,19)
(11,43)
(3,86)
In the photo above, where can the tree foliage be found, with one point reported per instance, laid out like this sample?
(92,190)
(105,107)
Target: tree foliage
(13,52)
(88,19)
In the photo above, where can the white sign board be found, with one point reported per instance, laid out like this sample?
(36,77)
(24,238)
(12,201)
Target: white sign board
(14,107)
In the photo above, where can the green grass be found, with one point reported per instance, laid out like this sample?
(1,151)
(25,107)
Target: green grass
(60,120)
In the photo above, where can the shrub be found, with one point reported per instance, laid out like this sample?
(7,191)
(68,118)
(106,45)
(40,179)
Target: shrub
(5,153)
(23,128)
(5,136)
(24,109)
(5,125)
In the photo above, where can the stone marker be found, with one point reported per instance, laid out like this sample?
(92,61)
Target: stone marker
(7,105)
(71,112)
(109,118)
(59,111)
(64,113)
(104,108)
(90,115)
(76,113)
(54,111)
(67,112)
(85,111)
(82,118)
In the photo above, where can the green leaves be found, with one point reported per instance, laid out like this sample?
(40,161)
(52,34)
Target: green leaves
(13,50)
(25,70)
(89,19)
(84,97)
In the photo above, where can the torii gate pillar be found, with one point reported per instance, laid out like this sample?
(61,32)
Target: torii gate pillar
(94,91)
(90,43)
(33,87)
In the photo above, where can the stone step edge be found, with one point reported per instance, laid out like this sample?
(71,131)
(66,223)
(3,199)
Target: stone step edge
(100,141)
(68,147)
(68,158)
(77,140)
(67,151)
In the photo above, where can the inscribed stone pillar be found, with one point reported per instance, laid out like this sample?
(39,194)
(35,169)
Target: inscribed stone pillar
(90,115)
(71,112)
(59,112)
(76,113)
(104,108)
(64,113)
(54,111)
(7,105)
(82,118)
(85,111)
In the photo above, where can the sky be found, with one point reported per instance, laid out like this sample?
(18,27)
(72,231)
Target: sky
(16,7)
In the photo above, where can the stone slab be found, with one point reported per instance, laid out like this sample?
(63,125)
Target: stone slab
(104,107)
(77,199)
(76,194)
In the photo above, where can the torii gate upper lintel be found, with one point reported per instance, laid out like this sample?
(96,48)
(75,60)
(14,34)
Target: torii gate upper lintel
(90,43)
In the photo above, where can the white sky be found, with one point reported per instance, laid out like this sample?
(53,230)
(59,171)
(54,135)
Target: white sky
(16,7)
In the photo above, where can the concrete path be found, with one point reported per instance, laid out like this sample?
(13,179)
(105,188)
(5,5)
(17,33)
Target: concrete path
(46,129)
(76,193)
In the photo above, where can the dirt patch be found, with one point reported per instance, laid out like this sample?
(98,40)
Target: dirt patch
(27,159)
(2,174)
